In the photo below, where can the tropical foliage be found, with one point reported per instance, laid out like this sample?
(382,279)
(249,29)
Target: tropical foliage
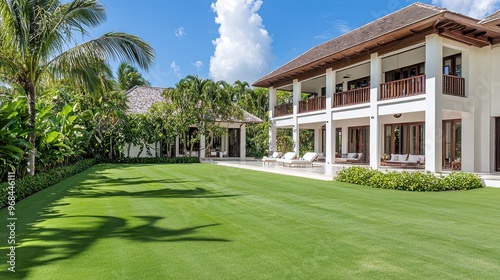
(34,37)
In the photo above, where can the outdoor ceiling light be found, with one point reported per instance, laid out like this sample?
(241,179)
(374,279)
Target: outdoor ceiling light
(397,116)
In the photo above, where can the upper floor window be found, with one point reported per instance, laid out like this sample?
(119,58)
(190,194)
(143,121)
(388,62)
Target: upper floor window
(452,65)
(359,83)
(405,72)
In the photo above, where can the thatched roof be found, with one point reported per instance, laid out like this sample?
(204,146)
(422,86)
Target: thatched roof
(141,98)
(417,18)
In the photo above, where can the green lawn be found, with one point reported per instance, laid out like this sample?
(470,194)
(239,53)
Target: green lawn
(203,221)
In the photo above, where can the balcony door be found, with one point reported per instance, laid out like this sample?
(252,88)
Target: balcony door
(359,141)
(234,142)
(452,141)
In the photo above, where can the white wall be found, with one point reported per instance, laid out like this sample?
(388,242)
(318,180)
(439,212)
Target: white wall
(134,150)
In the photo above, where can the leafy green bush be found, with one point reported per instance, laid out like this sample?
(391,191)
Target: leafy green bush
(410,181)
(151,160)
(356,175)
(30,185)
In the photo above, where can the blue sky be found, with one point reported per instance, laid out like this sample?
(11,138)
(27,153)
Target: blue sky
(252,37)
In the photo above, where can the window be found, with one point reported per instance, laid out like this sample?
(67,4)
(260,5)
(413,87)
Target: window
(404,73)
(339,87)
(404,138)
(338,141)
(452,65)
(359,83)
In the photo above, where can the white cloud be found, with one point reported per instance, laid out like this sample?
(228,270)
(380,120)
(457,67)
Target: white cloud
(474,8)
(338,26)
(198,65)
(243,49)
(180,32)
(176,69)
(341,26)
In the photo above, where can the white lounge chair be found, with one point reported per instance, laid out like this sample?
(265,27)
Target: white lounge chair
(273,158)
(287,156)
(307,159)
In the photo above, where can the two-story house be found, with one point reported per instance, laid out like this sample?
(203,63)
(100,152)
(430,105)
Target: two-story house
(420,81)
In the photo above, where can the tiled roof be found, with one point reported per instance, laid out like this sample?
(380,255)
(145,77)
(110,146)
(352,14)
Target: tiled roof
(141,98)
(493,17)
(385,25)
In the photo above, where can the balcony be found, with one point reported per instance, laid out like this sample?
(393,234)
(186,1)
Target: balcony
(402,88)
(351,97)
(283,110)
(453,85)
(313,104)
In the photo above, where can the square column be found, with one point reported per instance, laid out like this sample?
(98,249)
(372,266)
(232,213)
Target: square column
(329,123)
(468,135)
(243,141)
(433,99)
(203,150)
(177,146)
(297,91)
(376,75)
(317,140)
(272,127)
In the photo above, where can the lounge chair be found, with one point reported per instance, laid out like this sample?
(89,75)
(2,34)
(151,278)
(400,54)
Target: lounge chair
(307,159)
(287,156)
(273,158)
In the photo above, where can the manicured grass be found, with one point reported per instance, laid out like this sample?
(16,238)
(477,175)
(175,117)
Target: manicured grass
(202,221)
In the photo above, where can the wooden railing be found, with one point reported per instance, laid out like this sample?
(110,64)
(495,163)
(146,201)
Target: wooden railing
(453,85)
(351,97)
(401,88)
(313,104)
(283,110)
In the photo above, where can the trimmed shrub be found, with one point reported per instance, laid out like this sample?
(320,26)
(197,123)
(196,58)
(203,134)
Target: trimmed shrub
(356,175)
(30,185)
(151,160)
(409,181)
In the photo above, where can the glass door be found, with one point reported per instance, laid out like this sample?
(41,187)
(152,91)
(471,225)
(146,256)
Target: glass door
(452,142)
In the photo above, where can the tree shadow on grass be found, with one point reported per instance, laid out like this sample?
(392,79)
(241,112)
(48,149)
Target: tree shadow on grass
(39,245)
(45,245)
(155,193)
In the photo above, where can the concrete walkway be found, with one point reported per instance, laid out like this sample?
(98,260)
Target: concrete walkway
(319,170)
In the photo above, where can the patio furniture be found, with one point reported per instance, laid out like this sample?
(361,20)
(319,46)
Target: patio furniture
(307,159)
(349,158)
(287,156)
(273,158)
(405,160)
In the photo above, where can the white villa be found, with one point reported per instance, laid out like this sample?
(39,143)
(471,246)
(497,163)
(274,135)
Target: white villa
(420,81)
(232,144)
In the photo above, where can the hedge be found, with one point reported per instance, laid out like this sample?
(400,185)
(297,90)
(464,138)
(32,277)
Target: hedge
(30,185)
(151,160)
(409,181)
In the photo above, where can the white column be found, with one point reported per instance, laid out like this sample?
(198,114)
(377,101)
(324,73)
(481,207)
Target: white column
(272,127)
(375,79)
(317,140)
(433,97)
(483,94)
(177,146)
(329,122)
(203,150)
(297,91)
(243,141)
(467,154)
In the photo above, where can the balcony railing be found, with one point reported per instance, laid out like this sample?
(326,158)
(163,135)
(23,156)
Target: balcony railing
(402,88)
(351,97)
(283,110)
(313,104)
(453,85)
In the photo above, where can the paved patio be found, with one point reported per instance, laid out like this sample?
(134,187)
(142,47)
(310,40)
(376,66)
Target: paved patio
(319,170)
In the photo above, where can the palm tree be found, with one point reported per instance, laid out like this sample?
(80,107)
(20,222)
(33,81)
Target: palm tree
(128,76)
(35,39)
